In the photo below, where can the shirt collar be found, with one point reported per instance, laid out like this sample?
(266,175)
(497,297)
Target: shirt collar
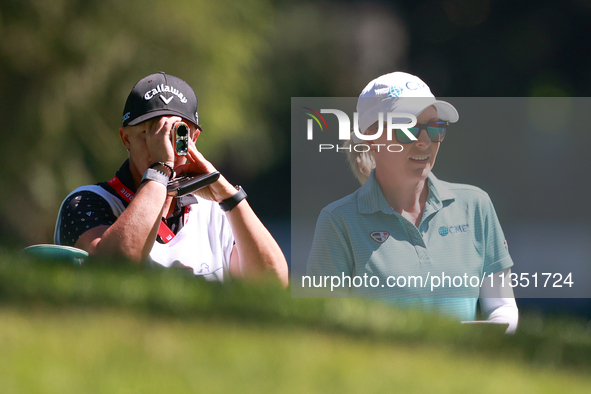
(370,198)
(124,175)
(438,192)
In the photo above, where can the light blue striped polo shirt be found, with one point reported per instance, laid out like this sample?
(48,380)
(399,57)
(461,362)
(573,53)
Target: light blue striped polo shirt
(459,240)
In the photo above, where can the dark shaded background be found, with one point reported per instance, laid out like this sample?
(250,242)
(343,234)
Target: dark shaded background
(510,158)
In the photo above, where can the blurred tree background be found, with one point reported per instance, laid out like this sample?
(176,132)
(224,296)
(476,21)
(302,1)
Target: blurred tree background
(66,67)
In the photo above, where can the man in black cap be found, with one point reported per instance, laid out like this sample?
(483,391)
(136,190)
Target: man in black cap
(215,234)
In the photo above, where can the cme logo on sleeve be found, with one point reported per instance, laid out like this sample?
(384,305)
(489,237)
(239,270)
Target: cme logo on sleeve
(463,228)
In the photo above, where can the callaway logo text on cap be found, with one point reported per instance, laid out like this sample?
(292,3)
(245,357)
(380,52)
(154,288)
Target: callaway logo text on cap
(158,95)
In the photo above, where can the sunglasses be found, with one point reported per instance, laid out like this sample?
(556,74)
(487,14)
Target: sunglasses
(435,130)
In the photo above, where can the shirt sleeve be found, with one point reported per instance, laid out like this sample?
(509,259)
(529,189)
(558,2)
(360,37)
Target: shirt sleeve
(331,253)
(498,302)
(81,212)
(496,256)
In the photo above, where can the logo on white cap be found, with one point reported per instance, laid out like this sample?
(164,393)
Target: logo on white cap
(414,85)
(394,91)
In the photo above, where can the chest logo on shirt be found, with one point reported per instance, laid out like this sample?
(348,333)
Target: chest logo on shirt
(380,236)
(463,228)
(203,267)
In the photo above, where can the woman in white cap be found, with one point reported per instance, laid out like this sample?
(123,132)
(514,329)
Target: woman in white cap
(404,235)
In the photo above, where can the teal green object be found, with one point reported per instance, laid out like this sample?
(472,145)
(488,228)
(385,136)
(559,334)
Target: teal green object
(438,265)
(57,252)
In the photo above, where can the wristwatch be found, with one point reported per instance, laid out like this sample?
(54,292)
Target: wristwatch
(229,203)
(152,174)
(171,174)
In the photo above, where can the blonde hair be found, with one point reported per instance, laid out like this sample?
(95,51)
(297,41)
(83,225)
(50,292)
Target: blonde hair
(361,162)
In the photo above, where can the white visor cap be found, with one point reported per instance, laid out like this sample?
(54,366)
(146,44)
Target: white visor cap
(399,92)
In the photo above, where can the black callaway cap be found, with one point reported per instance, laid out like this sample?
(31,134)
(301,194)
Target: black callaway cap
(157,95)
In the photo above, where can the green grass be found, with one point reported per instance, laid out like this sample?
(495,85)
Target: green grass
(101,329)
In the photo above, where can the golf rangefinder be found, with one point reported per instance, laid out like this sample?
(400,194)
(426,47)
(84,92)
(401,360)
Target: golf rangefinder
(180,138)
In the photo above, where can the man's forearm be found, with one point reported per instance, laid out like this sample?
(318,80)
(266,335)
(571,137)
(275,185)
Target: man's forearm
(133,234)
(258,251)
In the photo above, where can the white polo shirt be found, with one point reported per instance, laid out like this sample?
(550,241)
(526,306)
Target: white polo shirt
(203,245)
